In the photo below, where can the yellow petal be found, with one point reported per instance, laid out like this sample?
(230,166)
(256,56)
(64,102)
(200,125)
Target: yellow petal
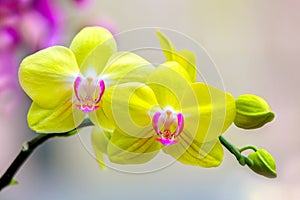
(125,149)
(125,67)
(88,39)
(128,106)
(204,121)
(57,120)
(185,58)
(217,112)
(196,155)
(97,59)
(47,76)
(169,82)
(167,46)
(100,139)
(101,119)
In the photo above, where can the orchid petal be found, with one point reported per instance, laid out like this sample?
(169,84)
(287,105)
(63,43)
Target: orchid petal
(125,67)
(88,39)
(196,155)
(47,76)
(97,59)
(185,58)
(101,119)
(125,149)
(167,46)
(204,123)
(100,139)
(57,120)
(214,114)
(169,82)
(128,106)
(217,111)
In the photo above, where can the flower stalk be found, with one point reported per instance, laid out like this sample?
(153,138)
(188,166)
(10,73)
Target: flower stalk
(259,161)
(243,160)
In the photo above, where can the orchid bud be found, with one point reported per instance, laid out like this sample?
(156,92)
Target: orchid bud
(252,112)
(263,163)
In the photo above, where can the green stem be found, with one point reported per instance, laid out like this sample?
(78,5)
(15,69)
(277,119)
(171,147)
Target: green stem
(243,160)
(29,147)
(248,147)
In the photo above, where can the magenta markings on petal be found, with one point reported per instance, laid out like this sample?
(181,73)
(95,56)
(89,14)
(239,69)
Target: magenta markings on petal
(166,142)
(88,92)
(163,121)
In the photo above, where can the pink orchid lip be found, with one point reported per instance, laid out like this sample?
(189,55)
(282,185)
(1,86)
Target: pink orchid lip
(86,108)
(166,141)
(85,89)
(166,119)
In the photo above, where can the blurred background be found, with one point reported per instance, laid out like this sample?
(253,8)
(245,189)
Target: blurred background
(255,46)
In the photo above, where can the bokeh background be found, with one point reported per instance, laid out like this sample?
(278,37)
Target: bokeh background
(256,48)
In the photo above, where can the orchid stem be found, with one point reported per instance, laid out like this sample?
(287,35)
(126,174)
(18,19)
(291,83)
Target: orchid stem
(29,147)
(247,148)
(243,160)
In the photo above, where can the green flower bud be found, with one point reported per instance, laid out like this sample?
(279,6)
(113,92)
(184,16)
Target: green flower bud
(252,112)
(263,163)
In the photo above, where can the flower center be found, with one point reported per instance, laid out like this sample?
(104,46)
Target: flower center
(167,124)
(88,92)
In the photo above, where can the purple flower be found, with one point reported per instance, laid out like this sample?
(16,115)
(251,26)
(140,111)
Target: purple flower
(9,38)
(35,23)
(8,81)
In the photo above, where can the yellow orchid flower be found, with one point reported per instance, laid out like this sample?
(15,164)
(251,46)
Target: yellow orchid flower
(65,84)
(168,112)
